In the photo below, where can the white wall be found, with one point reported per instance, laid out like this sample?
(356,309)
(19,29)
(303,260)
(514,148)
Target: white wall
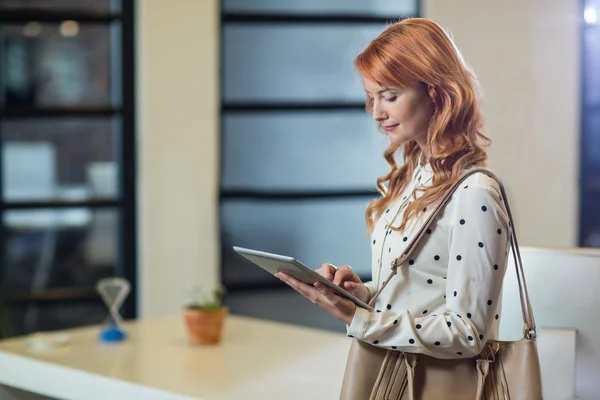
(178,115)
(526,56)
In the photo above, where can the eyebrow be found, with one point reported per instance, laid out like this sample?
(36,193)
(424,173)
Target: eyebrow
(382,90)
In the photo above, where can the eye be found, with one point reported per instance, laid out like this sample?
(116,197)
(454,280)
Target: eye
(371,100)
(392,99)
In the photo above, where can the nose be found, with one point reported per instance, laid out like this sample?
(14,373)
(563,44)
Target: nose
(378,113)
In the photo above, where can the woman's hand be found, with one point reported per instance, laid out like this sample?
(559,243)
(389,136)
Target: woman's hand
(322,296)
(346,278)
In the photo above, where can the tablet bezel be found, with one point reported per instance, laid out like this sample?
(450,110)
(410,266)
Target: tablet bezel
(298,270)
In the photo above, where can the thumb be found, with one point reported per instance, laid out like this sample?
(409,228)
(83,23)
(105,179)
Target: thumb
(354,288)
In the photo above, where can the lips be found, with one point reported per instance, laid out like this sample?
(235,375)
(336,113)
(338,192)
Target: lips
(390,128)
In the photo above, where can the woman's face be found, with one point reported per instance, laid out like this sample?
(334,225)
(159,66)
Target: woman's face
(404,113)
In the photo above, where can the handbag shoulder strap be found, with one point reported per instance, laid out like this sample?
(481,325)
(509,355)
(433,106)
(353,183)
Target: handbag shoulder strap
(526,310)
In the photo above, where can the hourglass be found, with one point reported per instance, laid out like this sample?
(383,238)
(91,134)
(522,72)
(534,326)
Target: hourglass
(113,291)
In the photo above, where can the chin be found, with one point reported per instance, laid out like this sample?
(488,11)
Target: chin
(398,139)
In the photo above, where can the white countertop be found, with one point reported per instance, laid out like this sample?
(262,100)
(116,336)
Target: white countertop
(257,359)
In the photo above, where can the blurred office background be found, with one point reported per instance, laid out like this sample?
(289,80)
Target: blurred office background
(144,139)
(67,171)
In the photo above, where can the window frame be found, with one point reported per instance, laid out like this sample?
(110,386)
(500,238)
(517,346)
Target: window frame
(125,202)
(257,107)
(589,172)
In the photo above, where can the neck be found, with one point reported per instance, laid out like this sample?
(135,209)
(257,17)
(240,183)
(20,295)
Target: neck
(424,157)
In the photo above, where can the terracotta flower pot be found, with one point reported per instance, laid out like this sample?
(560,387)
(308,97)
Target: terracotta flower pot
(205,327)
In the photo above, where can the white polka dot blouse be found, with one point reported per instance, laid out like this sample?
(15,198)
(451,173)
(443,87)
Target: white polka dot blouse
(445,301)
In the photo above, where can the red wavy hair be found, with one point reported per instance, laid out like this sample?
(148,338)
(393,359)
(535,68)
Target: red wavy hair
(418,51)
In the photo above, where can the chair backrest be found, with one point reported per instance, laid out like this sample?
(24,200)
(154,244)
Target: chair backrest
(29,170)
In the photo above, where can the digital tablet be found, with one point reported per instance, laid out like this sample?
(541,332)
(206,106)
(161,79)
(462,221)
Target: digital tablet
(274,263)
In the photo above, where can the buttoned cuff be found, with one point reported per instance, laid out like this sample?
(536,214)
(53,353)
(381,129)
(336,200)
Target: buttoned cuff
(359,324)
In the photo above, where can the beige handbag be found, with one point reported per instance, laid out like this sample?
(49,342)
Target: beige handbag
(503,370)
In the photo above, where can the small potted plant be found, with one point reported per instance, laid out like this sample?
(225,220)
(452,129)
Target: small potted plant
(204,319)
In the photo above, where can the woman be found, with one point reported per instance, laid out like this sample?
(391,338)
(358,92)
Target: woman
(445,301)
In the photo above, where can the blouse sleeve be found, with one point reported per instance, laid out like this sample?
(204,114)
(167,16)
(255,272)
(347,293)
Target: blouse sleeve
(478,244)
(371,286)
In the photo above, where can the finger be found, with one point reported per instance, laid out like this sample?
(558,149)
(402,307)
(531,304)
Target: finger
(299,286)
(344,274)
(327,271)
(325,292)
(352,287)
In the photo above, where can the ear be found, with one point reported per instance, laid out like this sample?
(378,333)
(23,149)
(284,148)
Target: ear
(433,96)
